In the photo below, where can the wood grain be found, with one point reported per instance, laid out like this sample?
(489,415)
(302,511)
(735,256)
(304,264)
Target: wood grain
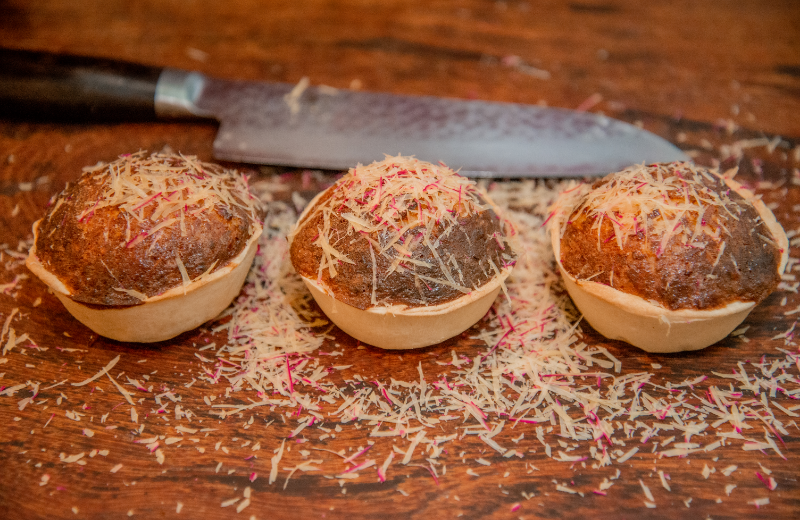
(705,75)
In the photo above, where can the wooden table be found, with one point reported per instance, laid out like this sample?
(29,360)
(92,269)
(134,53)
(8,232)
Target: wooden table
(720,79)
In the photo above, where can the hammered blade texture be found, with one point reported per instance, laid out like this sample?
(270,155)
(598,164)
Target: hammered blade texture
(337,129)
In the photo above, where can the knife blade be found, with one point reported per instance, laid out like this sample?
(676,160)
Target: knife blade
(320,127)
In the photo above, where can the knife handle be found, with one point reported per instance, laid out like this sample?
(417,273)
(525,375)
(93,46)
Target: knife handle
(40,85)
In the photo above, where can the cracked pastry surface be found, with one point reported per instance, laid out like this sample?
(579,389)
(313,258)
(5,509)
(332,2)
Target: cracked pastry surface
(141,225)
(402,232)
(673,234)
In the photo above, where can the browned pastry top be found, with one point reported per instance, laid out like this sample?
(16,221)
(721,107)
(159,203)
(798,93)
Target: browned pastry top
(674,234)
(143,225)
(401,232)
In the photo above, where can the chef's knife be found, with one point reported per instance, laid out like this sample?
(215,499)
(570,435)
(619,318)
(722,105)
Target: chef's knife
(321,127)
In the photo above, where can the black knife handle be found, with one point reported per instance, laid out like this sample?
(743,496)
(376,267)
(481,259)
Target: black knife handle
(40,85)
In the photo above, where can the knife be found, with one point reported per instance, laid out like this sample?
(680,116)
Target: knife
(321,127)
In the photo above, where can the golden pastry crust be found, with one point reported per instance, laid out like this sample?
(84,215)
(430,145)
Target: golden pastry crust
(402,232)
(673,234)
(135,228)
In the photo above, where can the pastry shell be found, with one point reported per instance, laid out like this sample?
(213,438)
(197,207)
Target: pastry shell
(160,317)
(400,327)
(648,325)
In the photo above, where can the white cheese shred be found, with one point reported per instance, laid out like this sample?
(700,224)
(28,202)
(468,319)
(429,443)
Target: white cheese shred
(400,206)
(102,372)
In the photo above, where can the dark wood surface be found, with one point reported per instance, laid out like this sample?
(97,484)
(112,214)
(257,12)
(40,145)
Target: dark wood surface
(709,76)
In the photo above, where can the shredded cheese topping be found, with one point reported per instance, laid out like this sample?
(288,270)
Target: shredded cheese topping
(164,188)
(659,200)
(535,373)
(532,384)
(385,200)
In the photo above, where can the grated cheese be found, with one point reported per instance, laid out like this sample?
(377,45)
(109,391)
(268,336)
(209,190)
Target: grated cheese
(273,474)
(397,205)
(532,368)
(666,201)
(162,187)
(102,372)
